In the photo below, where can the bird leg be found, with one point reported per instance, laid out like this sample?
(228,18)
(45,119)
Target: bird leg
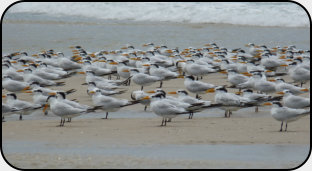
(225,114)
(141,88)
(169,120)
(21,117)
(286,127)
(3,119)
(256,109)
(46,113)
(198,97)
(106,115)
(230,113)
(162,122)
(160,85)
(145,108)
(281,127)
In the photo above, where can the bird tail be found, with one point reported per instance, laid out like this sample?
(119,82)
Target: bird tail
(276,98)
(70,91)
(59,83)
(93,109)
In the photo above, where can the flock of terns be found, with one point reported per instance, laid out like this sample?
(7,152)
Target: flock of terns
(256,73)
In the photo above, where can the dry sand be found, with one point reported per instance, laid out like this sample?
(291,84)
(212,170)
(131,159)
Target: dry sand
(145,131)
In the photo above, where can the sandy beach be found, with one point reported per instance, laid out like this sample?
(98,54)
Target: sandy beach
(132,137)
(22,139)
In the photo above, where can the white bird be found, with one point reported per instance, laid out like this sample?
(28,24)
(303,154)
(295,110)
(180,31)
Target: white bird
(192,68)
(109,104)
(263,85)
(13,85)
(185,98)
(164,109)
(10,71)
(142,79)
(46,91)
(139,95)
(292,101)
(29,77)
(235,78)
(25,107)
(196,87)
(39,98)
(64,110)
(229,101)
(299,74)
(8,110)
(281,85)
(92,88)
(61,97)
(258,99)
(162,73)
(285,114)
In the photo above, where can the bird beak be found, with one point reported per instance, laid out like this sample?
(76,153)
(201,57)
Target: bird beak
(125,70)
(282,57)
(13,62)
(20,70)
(284,65)
(238,93)
(267,104)
(144,45)
(248,74)
(173,92)
(282,93)
(146,65)
(27,88)
(146,98)
(3,96)
(92,92)
(113,63)
(81,72)
(124,47)
(28,91)
(223,72)
(45,107)
(180,76)
(211,90)
(304,90)
(52,93)
(272,80)
(151,91)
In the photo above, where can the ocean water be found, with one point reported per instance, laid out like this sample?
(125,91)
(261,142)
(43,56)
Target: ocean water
(283,14)
(36,26)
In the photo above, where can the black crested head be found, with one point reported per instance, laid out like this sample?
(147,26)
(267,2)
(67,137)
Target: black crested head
(190,77)
(62,94)
(183,91)
(248,90)
(222,89)
(161,91)
(35,83)
(13,95)
(155,65)
(50,97)
(38,91)
(93,83)
(278,104)
(159,95)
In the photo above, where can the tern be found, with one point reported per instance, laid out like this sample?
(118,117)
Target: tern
(285,114)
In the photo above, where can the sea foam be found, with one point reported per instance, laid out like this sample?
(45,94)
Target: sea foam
(283,14)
